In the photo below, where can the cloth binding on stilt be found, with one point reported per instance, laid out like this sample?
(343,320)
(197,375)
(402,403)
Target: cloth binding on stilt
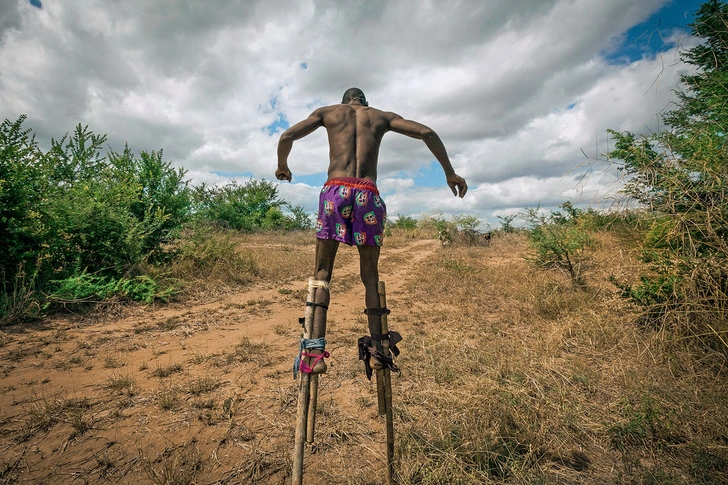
(367,351)
(307,344)
(312,283)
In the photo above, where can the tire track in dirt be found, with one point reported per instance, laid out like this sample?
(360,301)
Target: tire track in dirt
(347,400)
(274,319)
(347,293)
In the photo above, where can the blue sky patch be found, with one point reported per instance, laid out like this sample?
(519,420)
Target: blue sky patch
(36,3)
(430,175)
(313,179)
(646,38)
(280,124)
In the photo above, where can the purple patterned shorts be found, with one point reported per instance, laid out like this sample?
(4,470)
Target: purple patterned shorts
(351,211)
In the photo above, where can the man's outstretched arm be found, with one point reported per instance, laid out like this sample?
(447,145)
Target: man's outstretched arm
(285,143)
(417,130)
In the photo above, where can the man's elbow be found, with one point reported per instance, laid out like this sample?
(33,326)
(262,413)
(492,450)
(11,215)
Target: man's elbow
(428,134)
(285,138)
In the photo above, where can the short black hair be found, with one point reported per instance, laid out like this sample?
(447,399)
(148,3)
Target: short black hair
(352,94)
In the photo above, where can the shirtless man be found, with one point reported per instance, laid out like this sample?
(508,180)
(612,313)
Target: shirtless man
(350,209)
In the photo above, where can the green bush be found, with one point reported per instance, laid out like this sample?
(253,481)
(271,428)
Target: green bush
(506,222)
(86,287)
(467,222)
(438,224)
(82,223)
(299,218)
(22,187)
(106,214)
(680,178)
(403,222)
(73,211)
(253,205)
(161,200)
(560,240)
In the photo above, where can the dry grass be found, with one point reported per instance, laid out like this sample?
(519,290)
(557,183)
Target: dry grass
(45,413)
(121,384)
(216,263)
(167,370)
(510,375)
(523,378)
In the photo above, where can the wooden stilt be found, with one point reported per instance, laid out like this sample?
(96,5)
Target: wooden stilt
(312,402)
(298,447)
(386,394)
(381,403)
(304,420)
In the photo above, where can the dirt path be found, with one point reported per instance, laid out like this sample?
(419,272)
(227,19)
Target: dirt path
(205,387)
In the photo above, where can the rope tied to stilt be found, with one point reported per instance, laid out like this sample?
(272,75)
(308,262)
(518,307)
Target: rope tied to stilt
(309,344)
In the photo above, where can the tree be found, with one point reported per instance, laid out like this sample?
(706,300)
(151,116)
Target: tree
(680,176)
(404,222)
(506,222)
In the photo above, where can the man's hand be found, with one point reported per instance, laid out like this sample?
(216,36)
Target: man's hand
(283,174)
(457,185)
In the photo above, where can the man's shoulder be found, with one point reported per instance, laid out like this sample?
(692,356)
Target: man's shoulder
(335,112)
(346,107)
(389,115)
(332,110)
(328,109)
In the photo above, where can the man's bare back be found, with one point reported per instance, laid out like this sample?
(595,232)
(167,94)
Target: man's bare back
(355,133)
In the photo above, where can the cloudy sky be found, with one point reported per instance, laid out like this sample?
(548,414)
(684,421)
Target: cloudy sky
(520,91)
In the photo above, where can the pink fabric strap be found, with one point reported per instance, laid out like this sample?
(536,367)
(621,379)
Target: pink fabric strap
(304,367)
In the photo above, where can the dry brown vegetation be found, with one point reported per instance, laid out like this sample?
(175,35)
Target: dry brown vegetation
(510,375)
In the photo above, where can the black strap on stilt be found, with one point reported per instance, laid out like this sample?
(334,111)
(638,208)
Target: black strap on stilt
(393,337)
(367,351)
(302,320)
(373,312)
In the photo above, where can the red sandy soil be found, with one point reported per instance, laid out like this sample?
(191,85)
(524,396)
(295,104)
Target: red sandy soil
(195,393)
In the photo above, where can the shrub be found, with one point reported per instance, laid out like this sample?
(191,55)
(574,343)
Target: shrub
(506,222)
(253,205)
(560,240)
(87,287)
(680,177)
(22,186)
(403,222)
(72,212)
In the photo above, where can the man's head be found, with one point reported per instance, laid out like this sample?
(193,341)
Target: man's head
(352,94)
